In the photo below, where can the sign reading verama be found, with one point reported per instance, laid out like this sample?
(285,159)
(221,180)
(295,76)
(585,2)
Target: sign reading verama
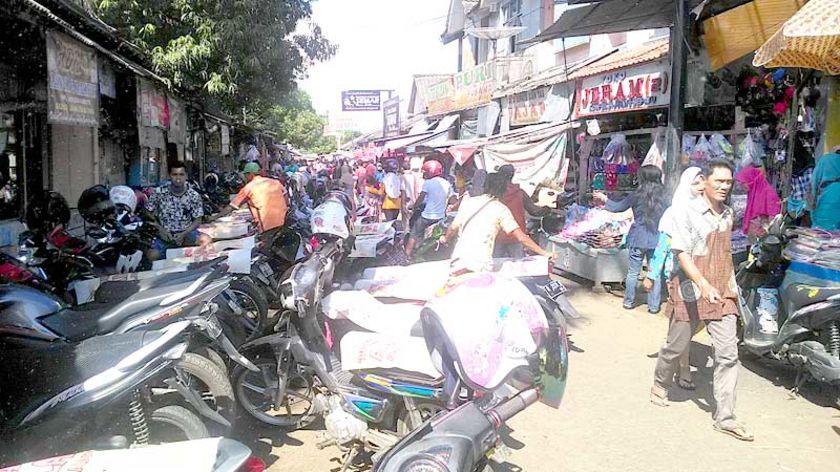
(629,89)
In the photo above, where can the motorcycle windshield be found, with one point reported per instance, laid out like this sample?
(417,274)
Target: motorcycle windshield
(554,368)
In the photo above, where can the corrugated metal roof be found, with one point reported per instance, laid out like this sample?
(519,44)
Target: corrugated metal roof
(629,57)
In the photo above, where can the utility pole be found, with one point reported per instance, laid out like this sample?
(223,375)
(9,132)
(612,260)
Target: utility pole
(676,110)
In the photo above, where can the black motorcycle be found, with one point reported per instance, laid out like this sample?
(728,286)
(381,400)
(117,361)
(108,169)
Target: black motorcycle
(102,392)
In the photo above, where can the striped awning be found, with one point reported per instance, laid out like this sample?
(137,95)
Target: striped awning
(810,38)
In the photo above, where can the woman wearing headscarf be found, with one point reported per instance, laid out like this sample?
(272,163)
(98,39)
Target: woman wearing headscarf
(689,188)
(648,202)
(762,201)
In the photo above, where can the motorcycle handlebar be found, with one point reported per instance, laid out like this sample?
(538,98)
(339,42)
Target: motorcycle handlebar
(514,406)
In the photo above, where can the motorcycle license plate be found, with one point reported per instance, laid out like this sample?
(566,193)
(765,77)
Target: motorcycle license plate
(266,269)
(555,288)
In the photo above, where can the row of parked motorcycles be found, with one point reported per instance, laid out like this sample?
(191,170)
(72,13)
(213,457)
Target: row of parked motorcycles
(404,374)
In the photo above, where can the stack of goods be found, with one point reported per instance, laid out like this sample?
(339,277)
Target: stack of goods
(815,246)
(616,169)
(596,227)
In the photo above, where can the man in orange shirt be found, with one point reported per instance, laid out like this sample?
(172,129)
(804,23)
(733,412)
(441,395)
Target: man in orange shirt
(265,197)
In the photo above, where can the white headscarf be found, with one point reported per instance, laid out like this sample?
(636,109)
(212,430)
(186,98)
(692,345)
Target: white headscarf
(682,197)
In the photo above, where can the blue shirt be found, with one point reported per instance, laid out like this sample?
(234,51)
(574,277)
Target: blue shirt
(825,189)
(640,236)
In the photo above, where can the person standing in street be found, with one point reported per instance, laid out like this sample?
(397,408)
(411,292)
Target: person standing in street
(825,192)
(179,209)
(479,222)
(519,203)
(433,200)
(265,197)
(661,265)
(705,290)
(394,193)
(648,202)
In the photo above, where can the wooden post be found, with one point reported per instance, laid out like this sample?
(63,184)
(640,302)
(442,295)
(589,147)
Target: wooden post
(676,110)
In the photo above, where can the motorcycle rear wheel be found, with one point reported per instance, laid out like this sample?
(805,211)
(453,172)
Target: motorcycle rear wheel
(173,423)
(254,304)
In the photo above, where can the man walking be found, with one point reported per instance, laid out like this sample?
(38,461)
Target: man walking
(433,200)
(394,192)
(705,290)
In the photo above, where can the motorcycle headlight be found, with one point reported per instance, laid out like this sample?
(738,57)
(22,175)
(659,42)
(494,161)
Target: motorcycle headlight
(424,463)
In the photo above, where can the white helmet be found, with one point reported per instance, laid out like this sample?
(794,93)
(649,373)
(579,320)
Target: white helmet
(123,195)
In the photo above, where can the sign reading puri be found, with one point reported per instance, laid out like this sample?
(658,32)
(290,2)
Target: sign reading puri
(634,88)
(468,89)
(391,117)
(361,100)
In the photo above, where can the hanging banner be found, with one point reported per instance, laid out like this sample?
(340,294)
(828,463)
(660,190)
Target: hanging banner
(177,122)
(391,117)
(225,131)
(361,100)
(468,89)
(538,160)
(634,88)
(107,79)
(73,90)
(153,105)
(541,105)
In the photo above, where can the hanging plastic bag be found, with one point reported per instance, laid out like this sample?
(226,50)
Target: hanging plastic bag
(688,143)
(720,147)
(617,151)
(750,151)
(654,156)
(702,151)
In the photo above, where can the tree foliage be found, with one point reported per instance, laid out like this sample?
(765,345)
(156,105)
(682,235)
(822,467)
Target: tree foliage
(296,122)
(241,54)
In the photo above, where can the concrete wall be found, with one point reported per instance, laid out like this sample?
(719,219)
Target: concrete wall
(74,160)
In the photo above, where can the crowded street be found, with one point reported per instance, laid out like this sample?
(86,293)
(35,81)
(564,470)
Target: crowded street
(419,236)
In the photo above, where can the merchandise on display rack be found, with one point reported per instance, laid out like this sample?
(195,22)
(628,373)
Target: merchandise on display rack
(814,246)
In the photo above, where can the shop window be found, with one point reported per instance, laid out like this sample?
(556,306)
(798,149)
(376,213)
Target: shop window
(11,188)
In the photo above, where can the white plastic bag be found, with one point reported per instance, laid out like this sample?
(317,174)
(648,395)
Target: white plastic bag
(617,151)
(750,151)
(720,147)
(768,310)
(702,150)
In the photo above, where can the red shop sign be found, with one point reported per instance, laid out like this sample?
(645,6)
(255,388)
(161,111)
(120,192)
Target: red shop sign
(635,88)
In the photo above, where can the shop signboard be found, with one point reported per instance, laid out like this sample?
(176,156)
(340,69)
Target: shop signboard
(361,100)
(73,91)
(391,117)
(630,89)
(153,105)
(550,103)
(468,89)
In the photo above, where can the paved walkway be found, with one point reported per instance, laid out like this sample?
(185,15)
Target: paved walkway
(607,424)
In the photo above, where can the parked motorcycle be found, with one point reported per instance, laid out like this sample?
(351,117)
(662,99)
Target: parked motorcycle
(33,320)
(808,318)
(199,455)
(101,392)
(369,387)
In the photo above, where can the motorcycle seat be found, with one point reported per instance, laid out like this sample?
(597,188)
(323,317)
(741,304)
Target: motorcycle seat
(797,296)
(118,290)
(41,373)
(96,318)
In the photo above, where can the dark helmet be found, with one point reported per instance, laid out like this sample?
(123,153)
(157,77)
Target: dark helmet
(45,211)
(95,204)
(391,165)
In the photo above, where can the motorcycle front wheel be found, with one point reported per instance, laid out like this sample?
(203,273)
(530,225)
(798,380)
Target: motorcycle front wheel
(254,304)
(257,391)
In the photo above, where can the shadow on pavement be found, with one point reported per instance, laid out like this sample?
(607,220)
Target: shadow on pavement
(784,375)
(262,439)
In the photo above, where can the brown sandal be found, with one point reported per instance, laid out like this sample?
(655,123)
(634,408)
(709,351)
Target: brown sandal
(659,397)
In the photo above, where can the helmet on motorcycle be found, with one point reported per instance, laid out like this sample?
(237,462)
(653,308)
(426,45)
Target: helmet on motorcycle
(211,181)
(391,165)
(432,169)
(95,204)
(488,330)
(124,196)
(45,211)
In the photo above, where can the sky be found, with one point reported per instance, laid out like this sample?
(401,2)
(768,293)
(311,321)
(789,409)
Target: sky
(381,45)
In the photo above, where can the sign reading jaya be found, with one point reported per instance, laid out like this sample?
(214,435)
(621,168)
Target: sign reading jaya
(467,89)
(361,100)
(635,88)
(391,117)
(73,91)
